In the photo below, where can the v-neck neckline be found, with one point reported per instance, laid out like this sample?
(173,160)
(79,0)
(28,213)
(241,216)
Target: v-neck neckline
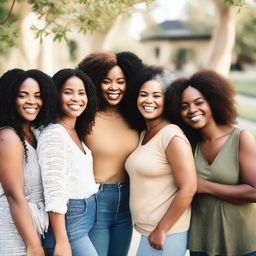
(155,136)
(70,138)
(218,154)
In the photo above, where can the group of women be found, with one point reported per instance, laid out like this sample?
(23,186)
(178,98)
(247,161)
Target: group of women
(92,151)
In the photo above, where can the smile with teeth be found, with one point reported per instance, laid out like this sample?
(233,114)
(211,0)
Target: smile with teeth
(30,110)
(75,107)
(113,96)
(149,109)
(196,118)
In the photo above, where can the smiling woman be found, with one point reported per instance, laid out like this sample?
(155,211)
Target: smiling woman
(156,167)
(27,99)
(225,202)
(66,164)
(111,141)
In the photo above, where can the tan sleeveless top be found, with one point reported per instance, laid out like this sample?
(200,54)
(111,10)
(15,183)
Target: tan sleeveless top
(217,226)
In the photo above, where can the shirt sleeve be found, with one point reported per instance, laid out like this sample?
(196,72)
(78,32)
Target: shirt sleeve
(170,132)
(51,151)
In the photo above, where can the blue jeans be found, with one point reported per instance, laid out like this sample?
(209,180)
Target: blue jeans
(79,220)
(112,232)
(175,244)
(205,254)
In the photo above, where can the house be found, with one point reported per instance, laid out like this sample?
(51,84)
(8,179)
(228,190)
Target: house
(179,45)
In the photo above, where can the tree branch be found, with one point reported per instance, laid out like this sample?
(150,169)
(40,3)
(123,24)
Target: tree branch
(10,11)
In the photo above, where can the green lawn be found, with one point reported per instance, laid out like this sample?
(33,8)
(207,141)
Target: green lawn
(247,111)
(246,87)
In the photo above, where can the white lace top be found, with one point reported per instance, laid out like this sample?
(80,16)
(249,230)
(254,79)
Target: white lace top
(67,172)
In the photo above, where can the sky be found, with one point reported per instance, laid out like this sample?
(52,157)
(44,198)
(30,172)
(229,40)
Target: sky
(163,10)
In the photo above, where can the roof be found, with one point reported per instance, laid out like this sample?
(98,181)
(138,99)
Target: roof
(177,30)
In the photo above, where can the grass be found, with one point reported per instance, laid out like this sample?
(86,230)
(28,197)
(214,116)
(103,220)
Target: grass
(247,111)
(245,86)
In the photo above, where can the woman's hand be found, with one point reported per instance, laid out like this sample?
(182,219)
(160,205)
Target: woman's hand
(62,249)
(157,239)
(201,185)
(35,251)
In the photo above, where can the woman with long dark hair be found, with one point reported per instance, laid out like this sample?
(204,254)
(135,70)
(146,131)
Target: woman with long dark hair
(111,141)
(67,170)
(27,100)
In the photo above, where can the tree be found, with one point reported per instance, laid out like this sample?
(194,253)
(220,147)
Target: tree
(223,37)
(245,41)
(62,17)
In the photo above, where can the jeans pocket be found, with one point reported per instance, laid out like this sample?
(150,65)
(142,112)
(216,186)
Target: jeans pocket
(76,208)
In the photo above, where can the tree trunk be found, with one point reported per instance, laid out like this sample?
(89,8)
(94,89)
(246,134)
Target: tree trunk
(223,39)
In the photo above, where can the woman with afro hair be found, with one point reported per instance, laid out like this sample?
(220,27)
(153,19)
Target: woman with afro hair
(224,208)
(111,141)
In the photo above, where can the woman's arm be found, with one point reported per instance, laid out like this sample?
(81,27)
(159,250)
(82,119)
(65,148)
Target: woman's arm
(52,156)
(180,158)
(12,180)
(242,193)
(62,246)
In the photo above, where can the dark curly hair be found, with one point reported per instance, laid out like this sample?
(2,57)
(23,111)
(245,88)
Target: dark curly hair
(217,90)
(97,66)
(85,121)
(10,83)
(163,76)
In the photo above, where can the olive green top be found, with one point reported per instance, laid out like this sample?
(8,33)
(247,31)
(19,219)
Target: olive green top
(217,226)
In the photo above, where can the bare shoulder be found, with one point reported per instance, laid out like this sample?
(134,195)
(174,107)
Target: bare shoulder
(9,140)
(246,141)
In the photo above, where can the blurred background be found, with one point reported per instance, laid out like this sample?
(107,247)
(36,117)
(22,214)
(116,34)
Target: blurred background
(184,36)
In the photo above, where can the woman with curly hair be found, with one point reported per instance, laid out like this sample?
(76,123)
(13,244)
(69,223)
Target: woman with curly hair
(224,209)
(111,141)
(162,183)
(27,100)
(66,164)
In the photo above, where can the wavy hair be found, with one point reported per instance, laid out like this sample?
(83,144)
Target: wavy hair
(10,83)
(85,121)
(217,90)
(97,65)
(159,74)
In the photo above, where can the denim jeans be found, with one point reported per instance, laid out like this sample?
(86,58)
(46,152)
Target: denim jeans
(79,220)
(205,254)
(175,244)
(112,232)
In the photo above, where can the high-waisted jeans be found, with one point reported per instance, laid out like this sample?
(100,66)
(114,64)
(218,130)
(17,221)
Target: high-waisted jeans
(112,232)
(79,220)
(175,245)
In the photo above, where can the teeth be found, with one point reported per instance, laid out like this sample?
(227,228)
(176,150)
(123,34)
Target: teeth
(149,109)
(75,107)
(196,118)
(30,110)
(113,96)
